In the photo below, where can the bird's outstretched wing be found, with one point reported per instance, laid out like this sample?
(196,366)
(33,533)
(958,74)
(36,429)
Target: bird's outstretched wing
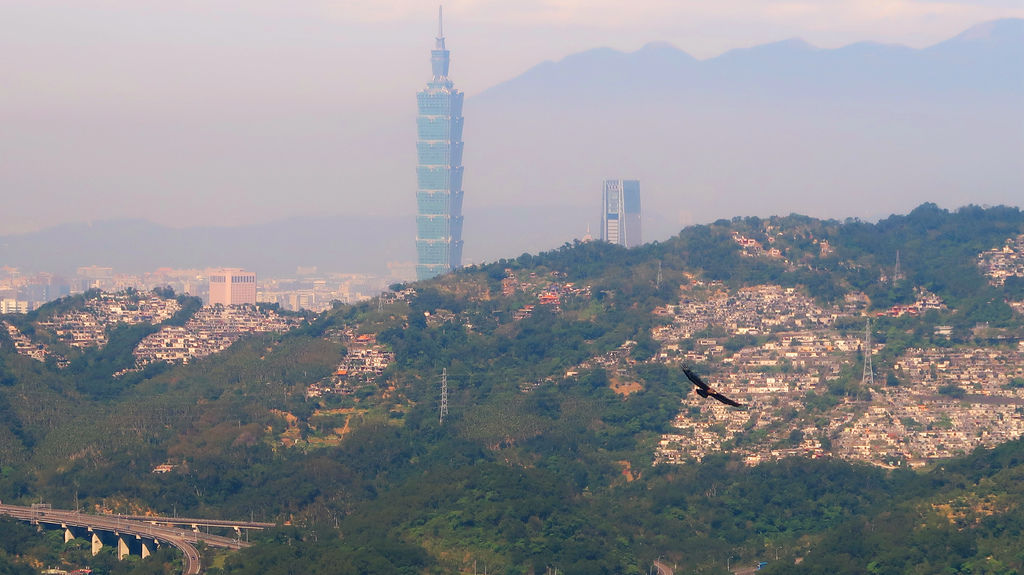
(696,380)
(725,399)
(705,390)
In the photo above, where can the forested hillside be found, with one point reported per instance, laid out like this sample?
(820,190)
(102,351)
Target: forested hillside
(561,385)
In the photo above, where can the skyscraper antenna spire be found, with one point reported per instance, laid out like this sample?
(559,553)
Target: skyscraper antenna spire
(439,41)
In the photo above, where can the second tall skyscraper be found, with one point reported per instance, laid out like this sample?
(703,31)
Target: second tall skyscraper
(621,213)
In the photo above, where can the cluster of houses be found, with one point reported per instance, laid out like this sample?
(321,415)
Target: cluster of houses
(924,301)
(773,380)
(1001,263)
(88,326)
(747,311)
(753,248)
(550,292)
(979,371)
(618,361)
(35,350)
(946,403)
(210,330)
(365,360)
(935,403)
(903,428)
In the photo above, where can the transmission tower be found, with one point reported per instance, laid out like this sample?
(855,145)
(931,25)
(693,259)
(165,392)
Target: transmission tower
(657,283)
(444,393)
(380,303)
(898,272)
(868,379)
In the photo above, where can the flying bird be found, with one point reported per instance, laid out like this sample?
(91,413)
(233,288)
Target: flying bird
(705,390)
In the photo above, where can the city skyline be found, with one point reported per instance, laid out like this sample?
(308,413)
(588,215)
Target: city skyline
(306,288)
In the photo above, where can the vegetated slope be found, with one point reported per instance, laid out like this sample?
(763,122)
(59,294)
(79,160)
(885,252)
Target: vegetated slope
(544,457)
(962,517)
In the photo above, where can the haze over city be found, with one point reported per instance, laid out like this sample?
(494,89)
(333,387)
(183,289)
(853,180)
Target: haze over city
(580,288)
(232,113)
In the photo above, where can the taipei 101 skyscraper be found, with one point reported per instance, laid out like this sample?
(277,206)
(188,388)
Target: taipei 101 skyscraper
(439,169)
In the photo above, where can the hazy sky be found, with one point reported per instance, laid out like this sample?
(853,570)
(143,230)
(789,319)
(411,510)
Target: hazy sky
(225,111)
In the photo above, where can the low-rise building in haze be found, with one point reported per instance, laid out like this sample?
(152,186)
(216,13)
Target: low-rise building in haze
(11,305)
(232,286)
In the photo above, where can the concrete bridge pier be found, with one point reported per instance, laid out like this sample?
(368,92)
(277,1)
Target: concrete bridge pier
(146,545)
(72,532)
(97,543)
(122,547)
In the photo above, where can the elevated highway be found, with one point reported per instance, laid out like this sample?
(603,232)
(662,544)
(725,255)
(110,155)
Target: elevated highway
(196,523)
(142,532)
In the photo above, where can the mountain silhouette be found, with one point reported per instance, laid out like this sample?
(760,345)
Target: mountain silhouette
(863,130)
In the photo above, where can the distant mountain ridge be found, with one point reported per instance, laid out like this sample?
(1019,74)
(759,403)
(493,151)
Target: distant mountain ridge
(997,44)
(866,129)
